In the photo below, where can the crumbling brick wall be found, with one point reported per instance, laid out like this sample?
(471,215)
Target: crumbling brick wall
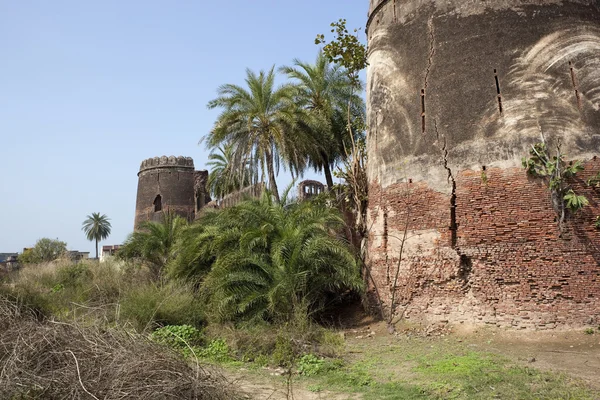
(169,184)
(507,263)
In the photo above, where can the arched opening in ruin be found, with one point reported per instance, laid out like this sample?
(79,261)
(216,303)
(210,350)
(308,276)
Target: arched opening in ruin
(157,203)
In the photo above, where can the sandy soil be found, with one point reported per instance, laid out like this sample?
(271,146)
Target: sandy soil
(574,353)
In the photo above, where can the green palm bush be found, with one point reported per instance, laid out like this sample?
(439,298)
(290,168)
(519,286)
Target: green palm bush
(153,244)
(268,260)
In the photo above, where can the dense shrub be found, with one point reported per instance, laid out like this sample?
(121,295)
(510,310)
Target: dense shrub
(265,261)
(183,338)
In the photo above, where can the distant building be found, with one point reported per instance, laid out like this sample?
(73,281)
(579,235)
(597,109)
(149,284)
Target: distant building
(77,256)
(109,251)
(308,189)
(9,261)
(170,184)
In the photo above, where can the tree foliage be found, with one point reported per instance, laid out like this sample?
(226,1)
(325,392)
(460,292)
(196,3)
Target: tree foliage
(45,250)
(227,174)
(96,227)
(556,171)
(264,260)
(325,91)
(347,50)
(259,121)
(153,244)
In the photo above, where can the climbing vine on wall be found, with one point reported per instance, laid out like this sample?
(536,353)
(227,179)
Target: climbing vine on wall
(556,171)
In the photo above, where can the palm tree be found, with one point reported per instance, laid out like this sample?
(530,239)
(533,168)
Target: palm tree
(260,122)
(224,177)
(325,90)
(154,243)
(264,260)
(96,227)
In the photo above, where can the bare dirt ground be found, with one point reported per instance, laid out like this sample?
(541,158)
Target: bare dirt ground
(261,388)
(573,353)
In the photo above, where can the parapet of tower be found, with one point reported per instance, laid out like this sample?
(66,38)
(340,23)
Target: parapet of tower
(169,184)
(457,92)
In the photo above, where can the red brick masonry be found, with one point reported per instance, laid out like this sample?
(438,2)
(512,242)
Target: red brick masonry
(510,265)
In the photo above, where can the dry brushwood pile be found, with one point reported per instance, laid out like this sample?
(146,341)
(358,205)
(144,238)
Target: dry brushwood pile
(56,360)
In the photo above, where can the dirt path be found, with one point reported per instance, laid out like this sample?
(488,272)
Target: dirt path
(261,387)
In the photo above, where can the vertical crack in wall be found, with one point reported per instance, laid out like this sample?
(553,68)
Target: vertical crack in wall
(575,84)
(431,30)
(427,71)
(453,224)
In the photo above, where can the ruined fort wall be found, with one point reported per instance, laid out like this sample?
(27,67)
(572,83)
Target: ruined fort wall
(511,265)
(458,86)
(171,178)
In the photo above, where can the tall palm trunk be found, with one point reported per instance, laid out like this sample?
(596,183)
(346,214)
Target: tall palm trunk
(327,170)
(96,249)
(271,172)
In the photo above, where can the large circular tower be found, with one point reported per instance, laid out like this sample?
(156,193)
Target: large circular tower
(165,184)
(457,92)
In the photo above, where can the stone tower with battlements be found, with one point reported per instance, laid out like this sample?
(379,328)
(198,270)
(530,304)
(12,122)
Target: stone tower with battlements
(169,184)
(457,92)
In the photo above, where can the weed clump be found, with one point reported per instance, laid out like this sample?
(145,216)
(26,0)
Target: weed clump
(105,293)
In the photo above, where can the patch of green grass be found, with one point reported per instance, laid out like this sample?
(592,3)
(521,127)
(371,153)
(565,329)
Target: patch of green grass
(314,388)
(425,369)
(312,365)
(349,378)
(475,375)
(395,391)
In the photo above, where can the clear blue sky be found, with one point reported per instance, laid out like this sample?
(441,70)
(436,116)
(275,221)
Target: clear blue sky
(90,89)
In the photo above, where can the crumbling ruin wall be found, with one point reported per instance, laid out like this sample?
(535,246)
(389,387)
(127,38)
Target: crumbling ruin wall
(457,92)
(165,184)
(249,192)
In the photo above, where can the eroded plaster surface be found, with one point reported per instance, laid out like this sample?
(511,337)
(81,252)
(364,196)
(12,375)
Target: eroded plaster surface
(457,92)
(478,89)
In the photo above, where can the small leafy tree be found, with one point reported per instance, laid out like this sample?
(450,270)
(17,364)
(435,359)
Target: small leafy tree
(347,50)
(45,250)
(96,228)
(556,171)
